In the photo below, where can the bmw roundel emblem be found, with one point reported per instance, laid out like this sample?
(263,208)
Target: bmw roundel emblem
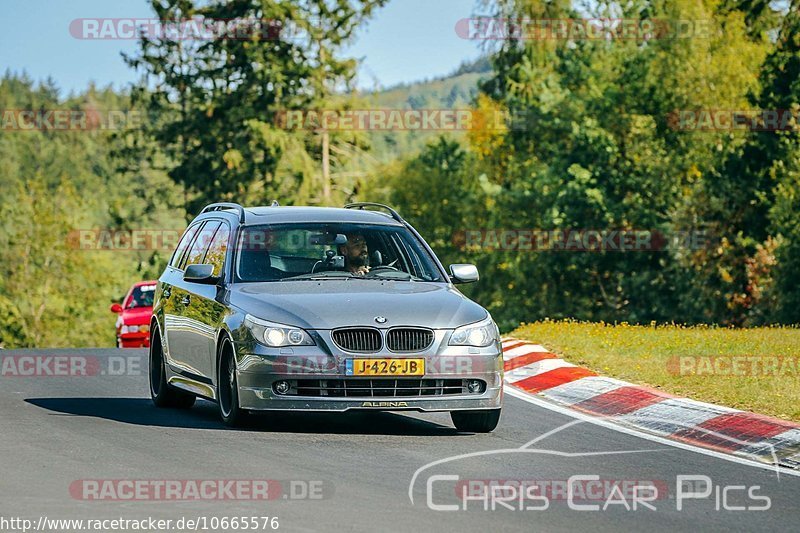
(380,319)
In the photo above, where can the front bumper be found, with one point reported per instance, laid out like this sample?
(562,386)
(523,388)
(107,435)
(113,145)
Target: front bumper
(250,399)
(259,368)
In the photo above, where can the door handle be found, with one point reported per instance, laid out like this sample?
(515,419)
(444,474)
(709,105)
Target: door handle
(186,300)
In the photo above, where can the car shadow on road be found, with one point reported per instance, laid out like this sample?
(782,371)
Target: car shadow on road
(204,415)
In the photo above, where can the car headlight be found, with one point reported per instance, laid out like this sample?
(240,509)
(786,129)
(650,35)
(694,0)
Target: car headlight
(479,334)
(277,335)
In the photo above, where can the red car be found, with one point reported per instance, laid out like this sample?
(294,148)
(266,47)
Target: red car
(133,323)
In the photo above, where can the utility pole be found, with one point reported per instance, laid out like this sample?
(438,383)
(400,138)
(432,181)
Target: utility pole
(326,167)
(326,152)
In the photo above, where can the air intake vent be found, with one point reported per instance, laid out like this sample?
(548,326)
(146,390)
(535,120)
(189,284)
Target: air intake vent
(361,340)
(409,339)
(392,388)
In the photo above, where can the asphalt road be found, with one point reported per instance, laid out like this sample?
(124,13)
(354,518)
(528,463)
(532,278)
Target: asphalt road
(58,431)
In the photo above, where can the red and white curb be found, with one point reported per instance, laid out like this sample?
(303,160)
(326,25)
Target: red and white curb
(533,369)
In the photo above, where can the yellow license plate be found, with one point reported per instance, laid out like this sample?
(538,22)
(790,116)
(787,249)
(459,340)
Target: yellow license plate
(385,367)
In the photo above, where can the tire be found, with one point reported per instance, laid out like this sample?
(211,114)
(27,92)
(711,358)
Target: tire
(483,421)
(228,387)
(162,394)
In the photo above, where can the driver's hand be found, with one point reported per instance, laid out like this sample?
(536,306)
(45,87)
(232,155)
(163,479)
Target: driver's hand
(360,271)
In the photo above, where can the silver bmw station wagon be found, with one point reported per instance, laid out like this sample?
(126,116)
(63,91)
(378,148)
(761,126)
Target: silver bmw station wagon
(320,309)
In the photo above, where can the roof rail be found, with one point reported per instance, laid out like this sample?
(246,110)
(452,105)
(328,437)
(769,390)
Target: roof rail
(219,206)
(362,205)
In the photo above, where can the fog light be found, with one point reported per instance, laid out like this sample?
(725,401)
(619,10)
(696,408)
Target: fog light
(474,385)
(282,387)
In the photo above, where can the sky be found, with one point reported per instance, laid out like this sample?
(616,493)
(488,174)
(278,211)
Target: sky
(405,41)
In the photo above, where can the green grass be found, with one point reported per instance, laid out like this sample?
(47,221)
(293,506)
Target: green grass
(650,355)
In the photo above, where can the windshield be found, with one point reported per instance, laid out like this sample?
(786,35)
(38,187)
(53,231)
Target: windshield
(332,251)
(141,296)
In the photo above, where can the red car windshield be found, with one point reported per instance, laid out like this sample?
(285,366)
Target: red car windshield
(142,296)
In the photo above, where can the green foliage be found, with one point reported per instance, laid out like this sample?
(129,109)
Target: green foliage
(592,147)
(597,151)
(216,100)
(54,183)
(781,162)
(454,92)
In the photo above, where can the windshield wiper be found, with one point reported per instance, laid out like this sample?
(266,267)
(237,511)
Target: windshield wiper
(314,276)
(398,275)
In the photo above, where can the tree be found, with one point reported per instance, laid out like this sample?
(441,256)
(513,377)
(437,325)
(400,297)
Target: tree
(54,292)
(596,150)
(216,100)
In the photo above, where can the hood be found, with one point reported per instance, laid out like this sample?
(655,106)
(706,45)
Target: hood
(332,304)
(137,316)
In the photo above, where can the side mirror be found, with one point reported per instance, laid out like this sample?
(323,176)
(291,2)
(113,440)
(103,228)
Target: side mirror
(200,274)
(464,273)
(116,308)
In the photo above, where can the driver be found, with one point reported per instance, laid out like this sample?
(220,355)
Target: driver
(356,254)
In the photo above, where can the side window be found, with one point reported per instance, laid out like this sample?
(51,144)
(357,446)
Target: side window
(218,248)
(183,245)
(200,244)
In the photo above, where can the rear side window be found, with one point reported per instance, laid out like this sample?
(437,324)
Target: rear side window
(201,241)
(183,245)
(218,248)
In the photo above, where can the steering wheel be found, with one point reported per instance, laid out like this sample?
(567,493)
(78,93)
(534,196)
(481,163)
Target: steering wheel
(383,268)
